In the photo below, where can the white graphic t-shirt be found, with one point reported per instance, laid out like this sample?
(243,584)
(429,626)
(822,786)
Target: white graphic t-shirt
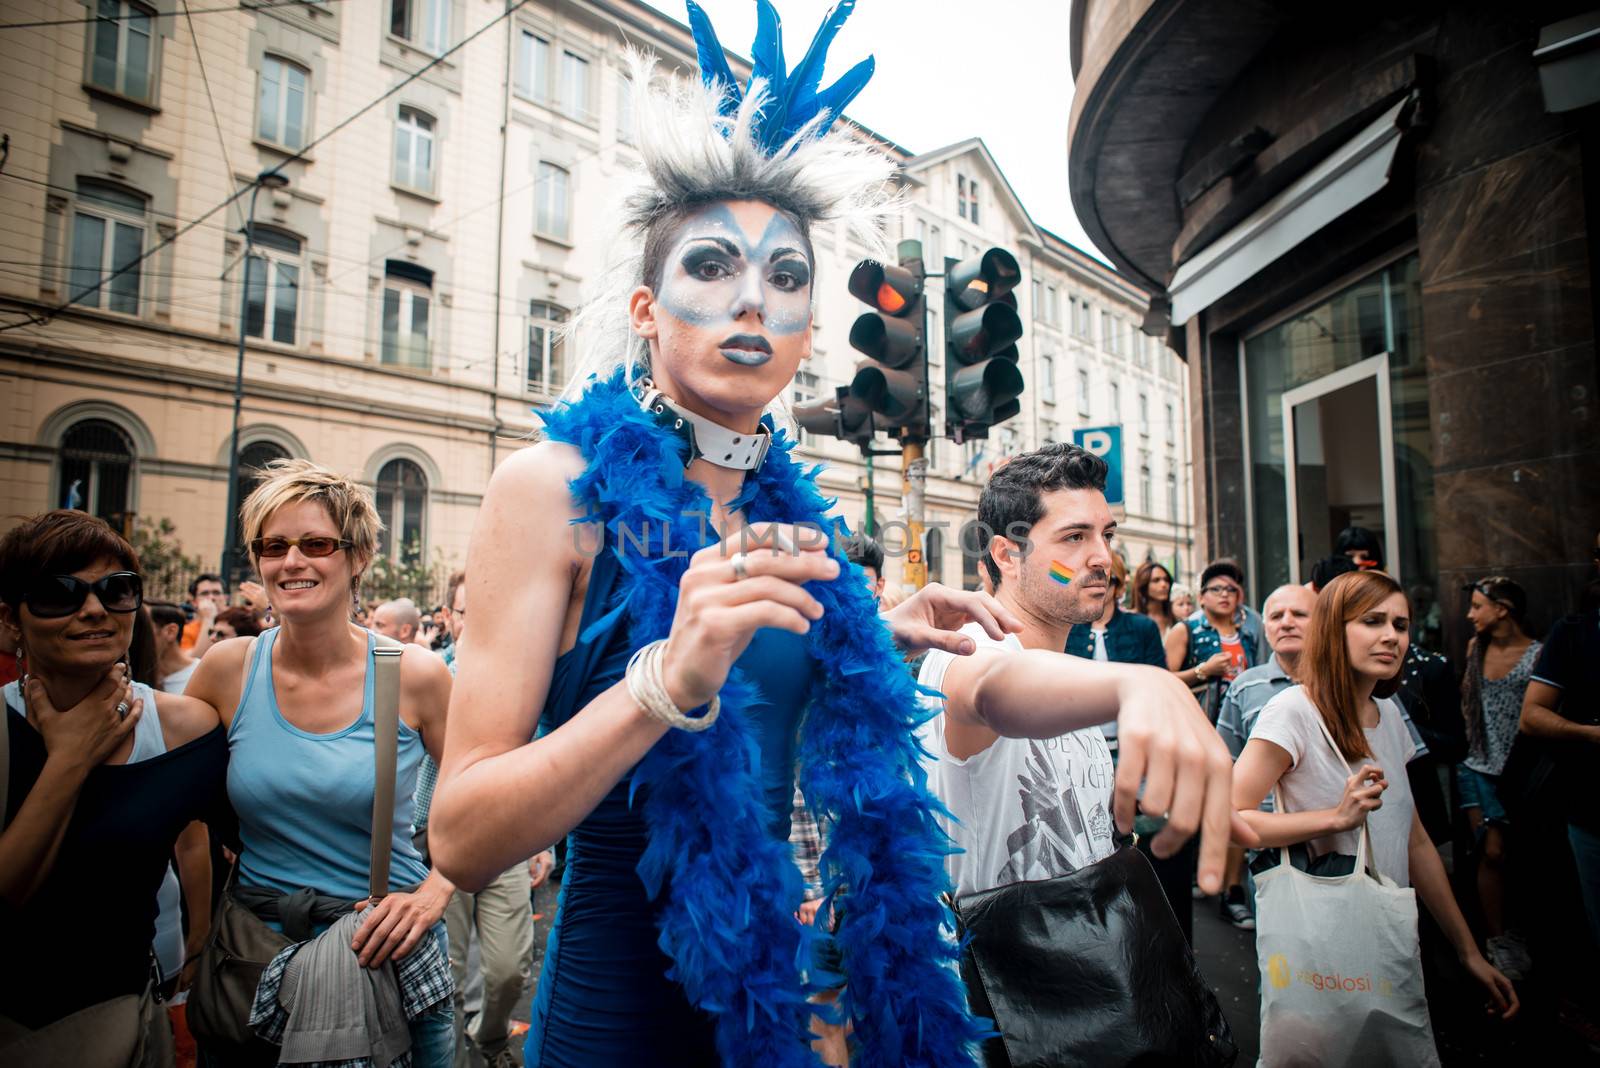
(1024,808)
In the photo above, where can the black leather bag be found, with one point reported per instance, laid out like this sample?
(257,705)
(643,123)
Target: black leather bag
(1088,968)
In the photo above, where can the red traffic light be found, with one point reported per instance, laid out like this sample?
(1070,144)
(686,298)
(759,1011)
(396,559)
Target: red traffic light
(892,290)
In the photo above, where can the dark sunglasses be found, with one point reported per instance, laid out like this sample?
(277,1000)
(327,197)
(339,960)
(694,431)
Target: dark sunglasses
(273,548)
(55,596)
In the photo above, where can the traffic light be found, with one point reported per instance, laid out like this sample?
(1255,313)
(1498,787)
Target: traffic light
(982,380)
(892,380)
(844,417)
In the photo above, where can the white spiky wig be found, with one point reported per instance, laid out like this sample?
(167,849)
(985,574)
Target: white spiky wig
(691,153)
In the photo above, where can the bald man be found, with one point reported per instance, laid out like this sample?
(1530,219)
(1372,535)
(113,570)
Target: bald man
(1286,614)
(398,620)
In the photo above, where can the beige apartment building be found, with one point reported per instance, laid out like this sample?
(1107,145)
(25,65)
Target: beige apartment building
(402,291)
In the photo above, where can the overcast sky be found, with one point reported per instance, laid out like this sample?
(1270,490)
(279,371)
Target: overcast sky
(945,73)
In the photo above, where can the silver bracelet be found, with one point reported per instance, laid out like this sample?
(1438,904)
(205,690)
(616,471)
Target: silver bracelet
(649,691)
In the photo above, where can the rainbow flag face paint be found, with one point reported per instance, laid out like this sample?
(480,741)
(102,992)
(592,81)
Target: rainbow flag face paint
(1060,572)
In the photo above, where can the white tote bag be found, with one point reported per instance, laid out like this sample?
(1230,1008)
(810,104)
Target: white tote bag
(1341,967)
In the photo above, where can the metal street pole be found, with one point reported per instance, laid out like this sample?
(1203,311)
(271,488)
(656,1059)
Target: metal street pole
(867,522)
(230,537)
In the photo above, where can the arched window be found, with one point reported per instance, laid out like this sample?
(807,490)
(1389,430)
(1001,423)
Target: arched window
(413,150)
(402,497)
(97,470)
(252,458)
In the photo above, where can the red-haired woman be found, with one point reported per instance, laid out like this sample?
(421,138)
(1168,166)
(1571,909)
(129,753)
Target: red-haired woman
(1349,670)
(103,774)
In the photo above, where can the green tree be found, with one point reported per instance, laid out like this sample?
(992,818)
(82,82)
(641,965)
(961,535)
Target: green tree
(167,569)
(411,576)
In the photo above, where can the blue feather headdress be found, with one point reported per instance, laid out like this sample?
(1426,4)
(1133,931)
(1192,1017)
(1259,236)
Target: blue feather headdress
(704,139)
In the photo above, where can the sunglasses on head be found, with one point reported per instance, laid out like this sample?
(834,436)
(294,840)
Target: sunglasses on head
(55,596)
(274,548)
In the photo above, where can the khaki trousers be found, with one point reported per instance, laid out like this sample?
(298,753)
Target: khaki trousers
(502,915)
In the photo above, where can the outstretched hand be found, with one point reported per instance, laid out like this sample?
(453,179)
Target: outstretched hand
(932,618)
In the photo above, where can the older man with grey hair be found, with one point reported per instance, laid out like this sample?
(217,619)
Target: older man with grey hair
(397,619)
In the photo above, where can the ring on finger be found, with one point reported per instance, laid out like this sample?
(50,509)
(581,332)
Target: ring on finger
(741,567)
(123,708)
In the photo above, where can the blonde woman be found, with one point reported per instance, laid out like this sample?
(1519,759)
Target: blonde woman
(297,702)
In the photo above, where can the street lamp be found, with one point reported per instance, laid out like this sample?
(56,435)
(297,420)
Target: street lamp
(270,179)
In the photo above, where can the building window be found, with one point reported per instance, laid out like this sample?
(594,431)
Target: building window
(1048,434)
(805,389)
(272,286)
(1083,391)
(933,552)
(547,362)
(282,103)
(1038,299)
(407,300)
(423,23)
(402,497)
(575,87)
(532,79)
(961,195)
(550,202)
(253,459)
(625,120)
(1144,414)
(1146,501)
(1047,378)
(1172,423)
(935,248)
(1116,402)
(969,195)
(1052,301)
(123,56)
(96,470)
(107,236)
(413,150)
(1172,495)
(1108,336)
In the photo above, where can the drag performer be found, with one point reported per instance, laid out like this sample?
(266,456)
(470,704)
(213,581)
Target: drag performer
(676,673)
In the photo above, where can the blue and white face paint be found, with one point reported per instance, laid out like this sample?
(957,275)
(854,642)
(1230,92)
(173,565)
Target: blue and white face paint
(756,287)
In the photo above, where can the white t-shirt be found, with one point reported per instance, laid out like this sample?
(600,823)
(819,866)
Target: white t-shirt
(1024,808)
(175,682)
(1316,776)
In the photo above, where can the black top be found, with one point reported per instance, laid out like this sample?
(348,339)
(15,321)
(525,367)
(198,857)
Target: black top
(85,934)
(1570,661)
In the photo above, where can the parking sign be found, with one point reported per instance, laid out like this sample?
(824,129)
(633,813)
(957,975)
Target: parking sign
(1106,443)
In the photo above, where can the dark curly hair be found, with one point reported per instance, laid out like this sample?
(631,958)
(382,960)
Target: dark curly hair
(1013,498)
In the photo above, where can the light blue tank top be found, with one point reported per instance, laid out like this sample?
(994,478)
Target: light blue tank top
(305,800)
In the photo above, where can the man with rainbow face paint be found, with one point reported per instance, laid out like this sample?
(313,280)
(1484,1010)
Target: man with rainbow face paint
(1020,759)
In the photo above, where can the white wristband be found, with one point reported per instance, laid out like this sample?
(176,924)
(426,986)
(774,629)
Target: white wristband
(649,691)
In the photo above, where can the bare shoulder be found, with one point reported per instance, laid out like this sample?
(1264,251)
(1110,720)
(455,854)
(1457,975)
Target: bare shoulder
(184,718)
(219,679)
(421,667)
(527,520)
(543,471)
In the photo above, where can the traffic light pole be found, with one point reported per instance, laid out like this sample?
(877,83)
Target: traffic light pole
(914,474)
(867,523)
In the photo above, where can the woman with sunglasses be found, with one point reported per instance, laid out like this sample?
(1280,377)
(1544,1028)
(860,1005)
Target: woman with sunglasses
(103,774)
(1500,662)
(298,705)
(1349,671)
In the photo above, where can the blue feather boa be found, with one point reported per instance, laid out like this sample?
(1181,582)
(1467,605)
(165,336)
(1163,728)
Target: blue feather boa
(727,915)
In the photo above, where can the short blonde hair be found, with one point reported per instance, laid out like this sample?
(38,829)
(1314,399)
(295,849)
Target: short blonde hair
(348,504)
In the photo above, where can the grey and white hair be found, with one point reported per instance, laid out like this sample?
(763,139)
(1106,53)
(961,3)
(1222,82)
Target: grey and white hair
(692,154)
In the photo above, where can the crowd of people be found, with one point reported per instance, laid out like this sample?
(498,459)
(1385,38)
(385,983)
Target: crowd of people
(806,815)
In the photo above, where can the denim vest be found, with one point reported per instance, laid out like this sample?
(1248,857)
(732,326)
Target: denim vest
(1205,641)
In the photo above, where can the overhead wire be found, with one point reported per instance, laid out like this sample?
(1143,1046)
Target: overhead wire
(263,5)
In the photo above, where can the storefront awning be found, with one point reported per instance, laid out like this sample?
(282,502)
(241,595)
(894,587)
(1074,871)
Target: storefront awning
(1349,175)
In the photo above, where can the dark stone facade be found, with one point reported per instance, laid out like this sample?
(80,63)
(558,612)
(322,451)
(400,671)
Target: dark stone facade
(1500,199)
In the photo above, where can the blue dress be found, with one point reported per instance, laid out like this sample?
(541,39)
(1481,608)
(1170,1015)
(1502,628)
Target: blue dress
(603,996)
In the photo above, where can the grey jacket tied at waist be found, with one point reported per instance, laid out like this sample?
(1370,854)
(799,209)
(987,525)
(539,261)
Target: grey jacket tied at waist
(318,1002)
